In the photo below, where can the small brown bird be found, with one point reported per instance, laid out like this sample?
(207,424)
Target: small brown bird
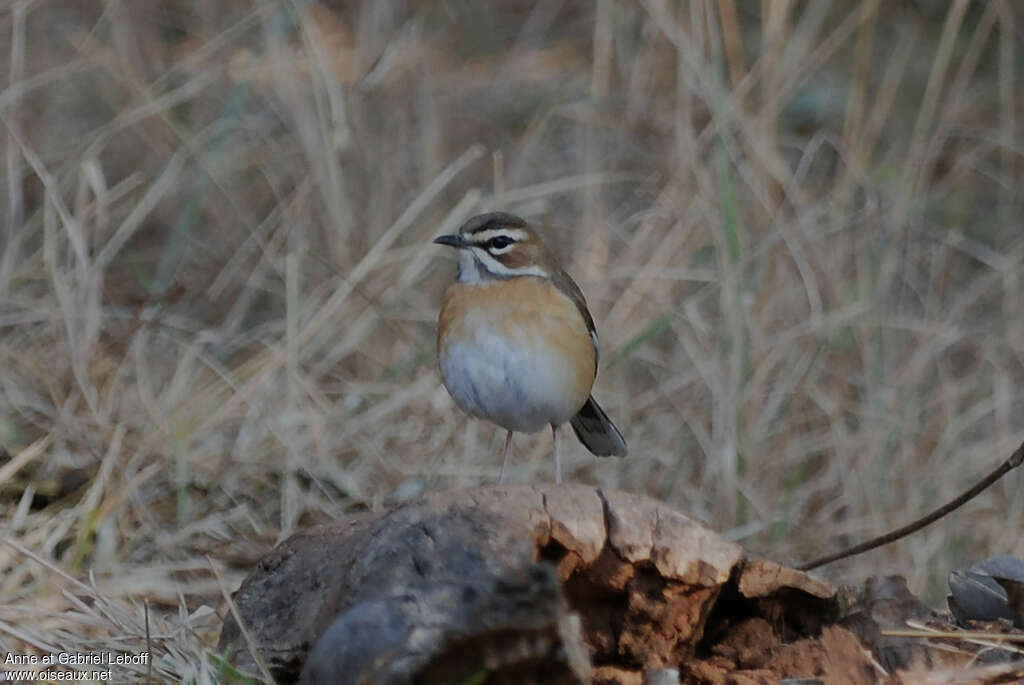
(515,341)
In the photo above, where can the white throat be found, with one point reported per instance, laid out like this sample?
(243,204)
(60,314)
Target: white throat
(469,271)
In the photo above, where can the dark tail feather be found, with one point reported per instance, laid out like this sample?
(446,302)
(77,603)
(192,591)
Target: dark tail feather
(597,432)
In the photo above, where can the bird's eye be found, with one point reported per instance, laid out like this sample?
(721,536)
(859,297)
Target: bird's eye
(499,242)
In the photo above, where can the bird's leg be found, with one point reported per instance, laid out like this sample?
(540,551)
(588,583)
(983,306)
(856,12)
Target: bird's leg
(558,460)
(504,457)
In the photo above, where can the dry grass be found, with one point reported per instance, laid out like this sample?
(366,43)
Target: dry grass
(798,226)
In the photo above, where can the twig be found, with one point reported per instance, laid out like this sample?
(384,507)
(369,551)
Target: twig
(1015,460)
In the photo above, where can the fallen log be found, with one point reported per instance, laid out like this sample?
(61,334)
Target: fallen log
(516,584)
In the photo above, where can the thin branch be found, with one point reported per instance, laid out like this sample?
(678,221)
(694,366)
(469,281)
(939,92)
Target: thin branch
(1013,462)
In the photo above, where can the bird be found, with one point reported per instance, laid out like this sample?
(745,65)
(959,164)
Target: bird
(516,343)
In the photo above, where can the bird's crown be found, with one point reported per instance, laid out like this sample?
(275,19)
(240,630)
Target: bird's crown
(499,245)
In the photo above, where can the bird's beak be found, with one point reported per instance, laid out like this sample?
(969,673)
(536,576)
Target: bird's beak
(452,240)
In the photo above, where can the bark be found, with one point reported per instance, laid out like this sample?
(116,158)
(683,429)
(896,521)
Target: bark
(518,584)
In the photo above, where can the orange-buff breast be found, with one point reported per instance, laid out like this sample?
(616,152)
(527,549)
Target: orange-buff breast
(516,352)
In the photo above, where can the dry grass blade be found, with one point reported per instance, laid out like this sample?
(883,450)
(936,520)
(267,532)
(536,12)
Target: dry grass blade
(25,457)
(977,637)
(254,649)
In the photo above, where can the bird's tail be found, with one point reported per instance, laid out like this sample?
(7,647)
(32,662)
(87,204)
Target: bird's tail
(597,432)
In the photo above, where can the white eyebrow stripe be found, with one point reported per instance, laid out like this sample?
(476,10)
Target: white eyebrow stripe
(483,236)
(498,269)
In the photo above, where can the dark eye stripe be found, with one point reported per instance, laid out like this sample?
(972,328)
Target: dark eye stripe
(499,242)
(496,244)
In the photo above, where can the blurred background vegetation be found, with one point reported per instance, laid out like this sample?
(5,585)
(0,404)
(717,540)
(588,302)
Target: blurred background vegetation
(798,225)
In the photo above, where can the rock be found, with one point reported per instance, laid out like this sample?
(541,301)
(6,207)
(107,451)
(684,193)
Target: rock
(988,591)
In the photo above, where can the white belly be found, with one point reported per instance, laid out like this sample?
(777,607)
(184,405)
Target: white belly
(516,383)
